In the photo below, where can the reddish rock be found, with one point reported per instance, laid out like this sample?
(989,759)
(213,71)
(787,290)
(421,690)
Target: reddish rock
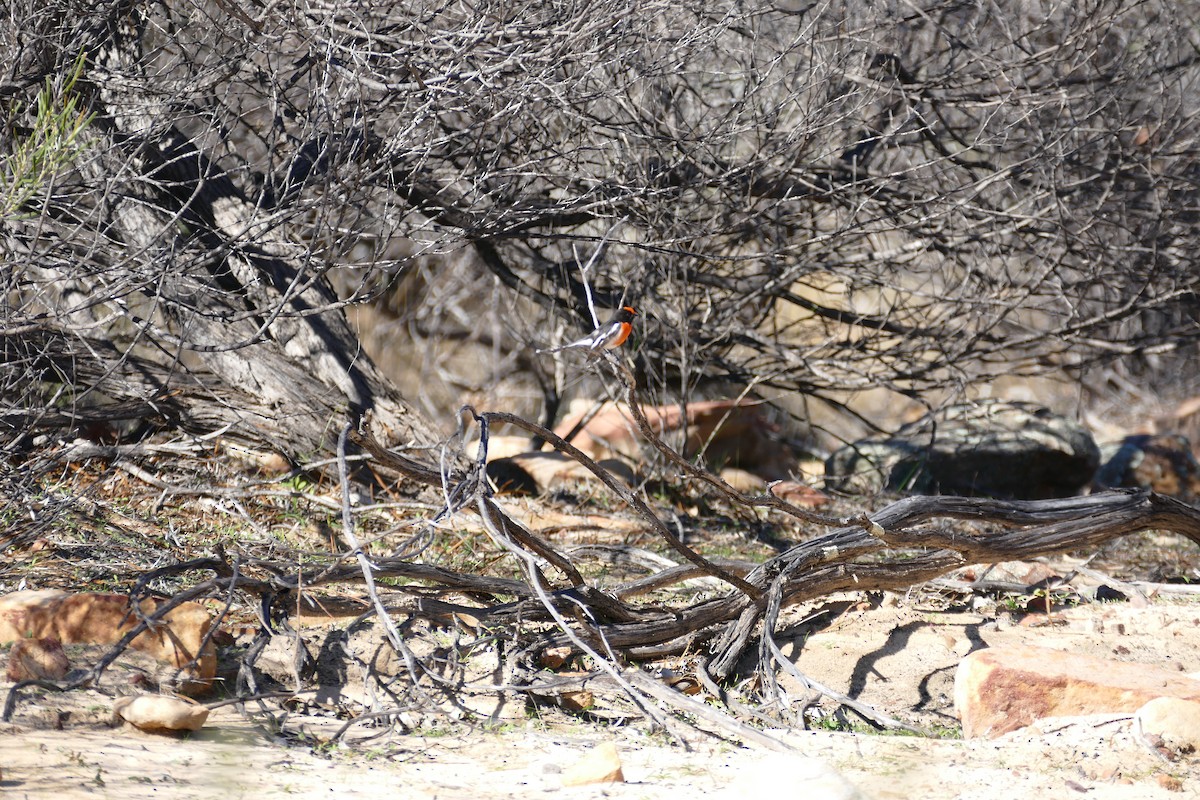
(555,657)
(730,432)
(38,659)
(1024,575)
(799,495)
(1169,782)
(181,639)
(1004,688)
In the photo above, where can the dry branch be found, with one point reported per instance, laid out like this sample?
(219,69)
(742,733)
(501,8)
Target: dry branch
(907,542)
(553,605)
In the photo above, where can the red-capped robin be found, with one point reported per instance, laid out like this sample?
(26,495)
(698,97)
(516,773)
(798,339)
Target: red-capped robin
(608,336)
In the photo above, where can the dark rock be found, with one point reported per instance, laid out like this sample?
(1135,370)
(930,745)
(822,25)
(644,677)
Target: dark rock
(991,449)
(1163,463)
(541,472)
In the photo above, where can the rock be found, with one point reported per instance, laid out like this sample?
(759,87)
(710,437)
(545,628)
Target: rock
(264,463)
(734,433)
(88,618)
(159,713)
(500,447)
(538,472)
(996,449)
(38,659)
(1004,688)
(555,657)
(743,481)
(510,477)
(1163,463)
(1016,575)
(1169,782)
(289,659)
(577,702)
(798,494)
(1173,723)
(601,764)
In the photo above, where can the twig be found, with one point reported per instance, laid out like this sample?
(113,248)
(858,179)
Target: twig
(583,270)
(535,580)
(687,705)
(770,619)
(622,373)
(629,497)
(364,563)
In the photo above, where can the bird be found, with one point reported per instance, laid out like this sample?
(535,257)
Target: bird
(608,336)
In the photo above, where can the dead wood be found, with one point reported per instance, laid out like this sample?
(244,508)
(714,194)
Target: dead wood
(910,541)
(553,605)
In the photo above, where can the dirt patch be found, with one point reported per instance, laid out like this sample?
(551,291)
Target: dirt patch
(234,758)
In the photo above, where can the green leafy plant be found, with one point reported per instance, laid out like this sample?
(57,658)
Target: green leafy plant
(53,143)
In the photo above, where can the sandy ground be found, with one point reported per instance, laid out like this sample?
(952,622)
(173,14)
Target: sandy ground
(895,655)
(230,759)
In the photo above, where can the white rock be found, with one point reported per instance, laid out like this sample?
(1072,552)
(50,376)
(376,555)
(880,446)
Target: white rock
(150,712)
(1175,722)
(601,764)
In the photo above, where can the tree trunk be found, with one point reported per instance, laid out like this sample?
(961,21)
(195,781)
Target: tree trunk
(221,321)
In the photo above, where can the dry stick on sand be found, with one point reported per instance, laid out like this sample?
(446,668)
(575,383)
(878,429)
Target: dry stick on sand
(703,564)
(494,520)
(769,650)
(835,561)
